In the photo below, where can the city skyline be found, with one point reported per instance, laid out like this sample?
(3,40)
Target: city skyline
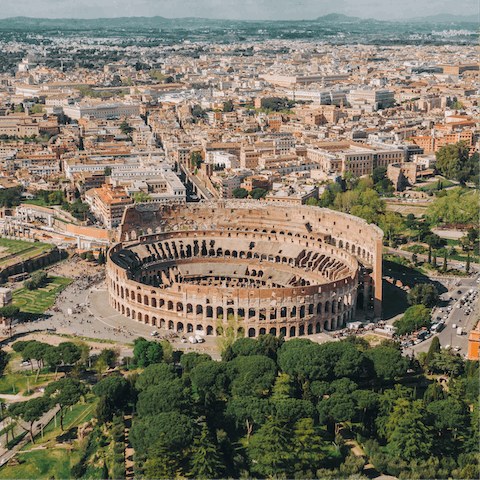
(233,10)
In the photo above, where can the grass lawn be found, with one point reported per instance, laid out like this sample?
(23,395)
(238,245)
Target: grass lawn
(13,383)
(15,250)
(37,301)
(39,202)
(434,186)
(53,462)
(49,463)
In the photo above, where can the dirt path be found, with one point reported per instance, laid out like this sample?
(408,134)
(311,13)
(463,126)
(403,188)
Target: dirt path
(128,448)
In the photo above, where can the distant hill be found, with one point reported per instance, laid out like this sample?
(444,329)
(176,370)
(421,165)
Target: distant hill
(338,17)
(444,18)
(146,23)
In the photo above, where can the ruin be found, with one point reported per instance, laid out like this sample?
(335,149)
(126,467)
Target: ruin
(260,268)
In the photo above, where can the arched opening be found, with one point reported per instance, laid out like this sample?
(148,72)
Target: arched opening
(251,332)
(209,330)
(292,331)
(273,331)
(241,332)
(199,328)
(220,312)
(302,311)
(139,298)
(128,312)
(293,312)
(154,302)
(147,320)
(154,321)
(145,299)
(162,323)
(170,305)
(318,327)
(251,312)
(199,310)
(170,325)
(189,328)
(262,331)
(310,329)
(327,307)
(301,330)
(189,308)
(209,312)
(283,312)
(179,327)
(283,331)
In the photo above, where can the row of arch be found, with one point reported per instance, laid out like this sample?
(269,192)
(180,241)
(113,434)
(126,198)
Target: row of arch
(328,307)
(291,331)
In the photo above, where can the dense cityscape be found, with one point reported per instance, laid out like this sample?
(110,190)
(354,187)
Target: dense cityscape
(239,249)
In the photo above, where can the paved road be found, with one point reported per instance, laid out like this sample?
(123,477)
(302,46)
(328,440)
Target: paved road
(6,455)
(457,316)
(91,316)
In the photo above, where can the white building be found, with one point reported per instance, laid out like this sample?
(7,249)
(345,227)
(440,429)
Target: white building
(104,110)
(226,159)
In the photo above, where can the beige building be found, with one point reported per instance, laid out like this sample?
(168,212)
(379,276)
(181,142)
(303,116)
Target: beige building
(108,204)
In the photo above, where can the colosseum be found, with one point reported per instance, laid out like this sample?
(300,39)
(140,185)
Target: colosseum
(258,267)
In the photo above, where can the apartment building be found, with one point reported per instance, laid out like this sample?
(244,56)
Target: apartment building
(359,159)
(108,203)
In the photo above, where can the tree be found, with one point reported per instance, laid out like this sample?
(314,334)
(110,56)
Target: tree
(228,106)
(9,311)
(388,362)
(53,358)
(205,462)
(432,350)
(126,128)
(240,193)
(309,449)
(423,294)
(69,352)
(163,397)
(196,159)
(408,435)
(154,374)
(270,449)
(4,357)
(110,356)
(467,265)
(415,317)
(258,193)
(452,159)
(65,392)
(117,393)
(146,353)
(30,412)
(141,197)
(108,171)
(163,462)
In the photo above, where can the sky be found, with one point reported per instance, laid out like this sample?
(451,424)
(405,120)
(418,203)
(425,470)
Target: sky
(236,9)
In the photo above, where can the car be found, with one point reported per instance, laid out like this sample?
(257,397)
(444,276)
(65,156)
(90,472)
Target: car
(456,349)
(459,292)
(153,334)
(25,364)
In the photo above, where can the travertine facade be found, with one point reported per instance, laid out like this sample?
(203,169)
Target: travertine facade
(261,268)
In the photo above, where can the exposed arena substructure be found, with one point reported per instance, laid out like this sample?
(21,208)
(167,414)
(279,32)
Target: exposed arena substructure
(260,267)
